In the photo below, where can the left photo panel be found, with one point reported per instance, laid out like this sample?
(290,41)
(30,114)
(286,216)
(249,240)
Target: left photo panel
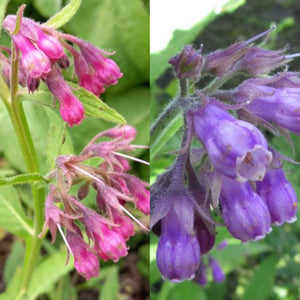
(74,150)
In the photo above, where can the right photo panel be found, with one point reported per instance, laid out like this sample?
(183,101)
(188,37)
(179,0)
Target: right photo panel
(225,150)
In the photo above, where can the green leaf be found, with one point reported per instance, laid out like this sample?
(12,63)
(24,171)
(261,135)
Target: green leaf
(14,260)
(3,5)
(47,8)
(38,125)
(47,273)
(260,285)
(12,216)
(12,288)
(22,179)
(186,290)
(65,15)
(122,26)
(96,108)
(166,135)
(110,288)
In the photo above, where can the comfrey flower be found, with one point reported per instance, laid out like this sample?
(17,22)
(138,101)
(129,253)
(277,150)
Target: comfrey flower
(278,105)
(109,228)
(43,54)
(245,214)
(178,251)
(236,148)
(278,194)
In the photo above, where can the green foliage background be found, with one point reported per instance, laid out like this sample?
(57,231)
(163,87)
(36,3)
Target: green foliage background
(114,25)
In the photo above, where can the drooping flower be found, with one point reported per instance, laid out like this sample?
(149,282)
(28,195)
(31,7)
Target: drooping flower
(245,214)
(178,251)
(109,228)
(71,109)
(236,148)
(278,105)
(34,61)
(86,263)
(278,194)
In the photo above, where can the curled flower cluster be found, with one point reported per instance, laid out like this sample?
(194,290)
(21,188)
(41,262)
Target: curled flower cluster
(235,173)
(43,55)
(108,229)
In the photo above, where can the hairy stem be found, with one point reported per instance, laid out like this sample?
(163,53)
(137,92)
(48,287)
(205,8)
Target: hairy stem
(169,112)
(19,122)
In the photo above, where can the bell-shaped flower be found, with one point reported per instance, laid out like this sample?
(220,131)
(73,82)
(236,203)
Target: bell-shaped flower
(178,251)
(85,261)
(244,213)
(236,148)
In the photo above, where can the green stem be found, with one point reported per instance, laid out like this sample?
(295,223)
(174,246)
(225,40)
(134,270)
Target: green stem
(169,112)
(19,122)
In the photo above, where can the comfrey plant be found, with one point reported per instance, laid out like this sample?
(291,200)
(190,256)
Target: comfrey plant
(235,179)
(91,231)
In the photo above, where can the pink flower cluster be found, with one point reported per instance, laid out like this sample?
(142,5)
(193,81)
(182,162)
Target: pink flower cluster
(109,228)
(43,56)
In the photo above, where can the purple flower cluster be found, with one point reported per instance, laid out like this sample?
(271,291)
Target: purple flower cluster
(108,229)
(235,173)
(43,56)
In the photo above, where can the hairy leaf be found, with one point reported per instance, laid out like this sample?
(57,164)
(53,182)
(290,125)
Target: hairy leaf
(65,15)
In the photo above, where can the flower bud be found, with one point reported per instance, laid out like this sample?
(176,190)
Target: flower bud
(279,196)
(259,61)
(222,61)
(217,271)
(107,71)
(86,263)
(50,45)
(245,214)
(188,63)
(87,77)
(125,226)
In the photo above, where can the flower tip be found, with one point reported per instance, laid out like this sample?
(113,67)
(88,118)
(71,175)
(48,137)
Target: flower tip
(72,112)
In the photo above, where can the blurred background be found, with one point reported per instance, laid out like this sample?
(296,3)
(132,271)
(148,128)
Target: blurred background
(114,25)
(267,269)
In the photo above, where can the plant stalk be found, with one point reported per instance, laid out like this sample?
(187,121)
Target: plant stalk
(19,122)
